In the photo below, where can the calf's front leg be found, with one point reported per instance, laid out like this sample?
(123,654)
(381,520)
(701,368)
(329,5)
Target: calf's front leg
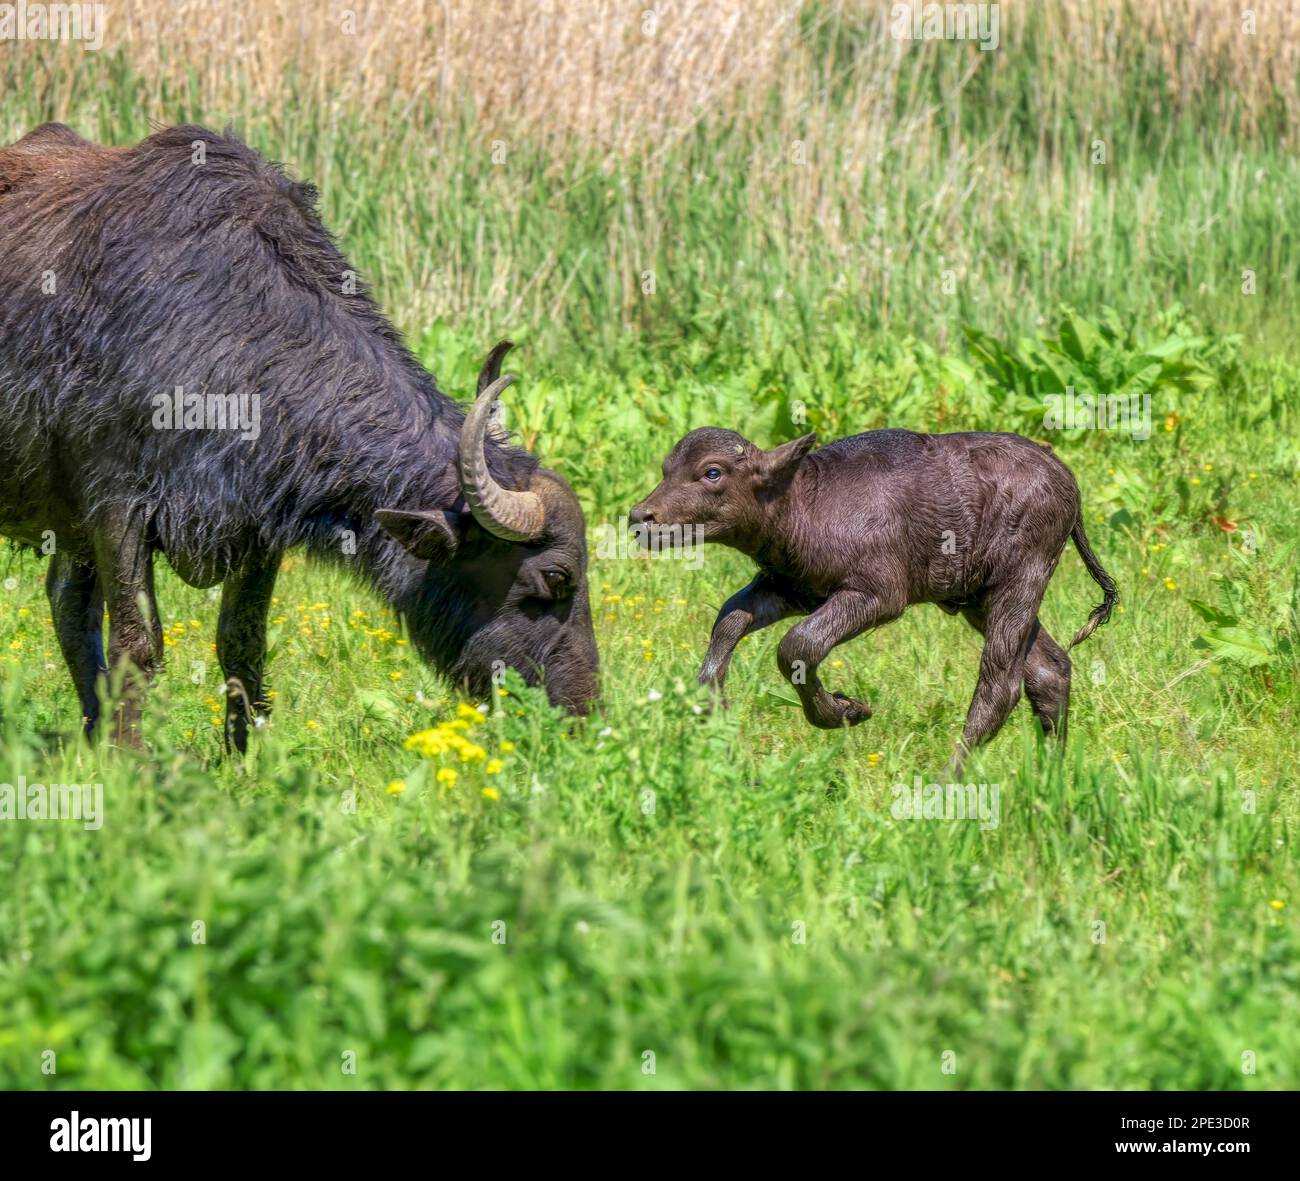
(841,617)
(749,610)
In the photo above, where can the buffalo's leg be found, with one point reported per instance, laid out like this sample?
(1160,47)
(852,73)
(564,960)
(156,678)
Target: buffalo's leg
(77,608)
(844,615)
(1047,676)
(1008,618)
(1047,683)
(749,610)
(241,643)
(135,645)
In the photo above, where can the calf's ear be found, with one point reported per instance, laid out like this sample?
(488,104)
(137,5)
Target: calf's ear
(431,536)
(781,462)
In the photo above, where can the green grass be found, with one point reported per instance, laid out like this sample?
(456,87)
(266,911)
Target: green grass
(650,865)
(991,219)
(728,891)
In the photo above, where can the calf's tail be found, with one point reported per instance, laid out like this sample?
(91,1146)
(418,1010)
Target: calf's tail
(1109,592)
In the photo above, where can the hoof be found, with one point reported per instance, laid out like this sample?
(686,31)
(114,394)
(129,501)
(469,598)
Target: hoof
(833,711)
(852,711)
(716,700)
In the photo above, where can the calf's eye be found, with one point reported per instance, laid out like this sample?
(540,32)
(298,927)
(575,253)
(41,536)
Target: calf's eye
(713,474)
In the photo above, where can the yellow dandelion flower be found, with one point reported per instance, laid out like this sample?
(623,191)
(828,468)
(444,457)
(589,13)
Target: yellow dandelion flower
(507,746)
(395,787)
(1277,904)
(1170,584)
(313,725)
(491,793)
(446,776)
(493,766)
(395,675)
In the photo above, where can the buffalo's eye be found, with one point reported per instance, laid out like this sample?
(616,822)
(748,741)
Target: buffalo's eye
(547,584)
(713,474)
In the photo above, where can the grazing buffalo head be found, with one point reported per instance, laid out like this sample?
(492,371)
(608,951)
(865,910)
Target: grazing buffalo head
(500,579)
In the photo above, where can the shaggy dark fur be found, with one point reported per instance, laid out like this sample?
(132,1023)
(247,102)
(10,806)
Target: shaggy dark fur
(854,533)
(217,276)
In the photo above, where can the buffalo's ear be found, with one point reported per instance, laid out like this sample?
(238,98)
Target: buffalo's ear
(432,536)
(779,464)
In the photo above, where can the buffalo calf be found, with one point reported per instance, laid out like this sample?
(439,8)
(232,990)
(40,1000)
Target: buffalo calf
(852,534)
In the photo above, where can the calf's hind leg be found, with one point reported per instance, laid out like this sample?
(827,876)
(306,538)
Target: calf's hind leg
(1047,676)
(1047,683)
(1007,617)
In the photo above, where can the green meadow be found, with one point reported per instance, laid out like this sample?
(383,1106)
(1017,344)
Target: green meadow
(400,889)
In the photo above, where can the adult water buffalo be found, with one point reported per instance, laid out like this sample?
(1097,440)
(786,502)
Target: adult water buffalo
(189,365)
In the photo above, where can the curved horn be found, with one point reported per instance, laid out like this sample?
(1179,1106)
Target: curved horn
(492,365)
(509,515)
